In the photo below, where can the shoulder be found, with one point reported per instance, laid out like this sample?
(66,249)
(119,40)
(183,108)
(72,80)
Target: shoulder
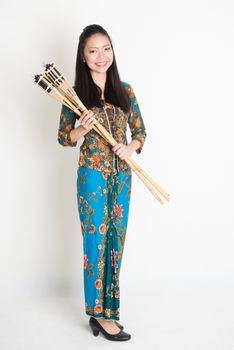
(129,90)
(126,85)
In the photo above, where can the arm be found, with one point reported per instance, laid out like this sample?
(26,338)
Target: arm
(77,133)
(136,123)
(66,124)
(135,145)
(68,135)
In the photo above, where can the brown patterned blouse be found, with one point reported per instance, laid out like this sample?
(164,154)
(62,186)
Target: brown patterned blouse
(95,152)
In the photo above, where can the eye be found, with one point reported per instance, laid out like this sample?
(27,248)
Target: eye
(108,48)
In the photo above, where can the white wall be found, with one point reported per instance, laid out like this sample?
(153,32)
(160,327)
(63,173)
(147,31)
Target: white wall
(178,56)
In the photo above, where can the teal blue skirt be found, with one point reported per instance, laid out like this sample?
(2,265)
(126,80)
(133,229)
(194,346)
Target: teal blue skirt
(103,205)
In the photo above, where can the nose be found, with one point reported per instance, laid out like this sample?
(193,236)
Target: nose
(101,54)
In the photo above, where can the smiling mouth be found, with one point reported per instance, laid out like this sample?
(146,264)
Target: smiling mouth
(101,64)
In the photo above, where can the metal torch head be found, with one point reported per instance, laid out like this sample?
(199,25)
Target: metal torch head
(43,82)
(53,74)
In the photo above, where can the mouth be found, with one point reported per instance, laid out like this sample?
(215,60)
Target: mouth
(101,64)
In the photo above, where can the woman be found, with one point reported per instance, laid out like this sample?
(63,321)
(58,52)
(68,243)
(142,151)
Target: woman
(103,177)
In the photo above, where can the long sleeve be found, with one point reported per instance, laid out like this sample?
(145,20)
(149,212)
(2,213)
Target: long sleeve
(135,121)
(66,124)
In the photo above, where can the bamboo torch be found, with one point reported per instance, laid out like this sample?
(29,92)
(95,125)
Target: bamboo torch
(57,86)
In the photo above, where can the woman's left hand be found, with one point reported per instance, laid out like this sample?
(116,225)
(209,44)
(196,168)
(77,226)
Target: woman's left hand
(123,151)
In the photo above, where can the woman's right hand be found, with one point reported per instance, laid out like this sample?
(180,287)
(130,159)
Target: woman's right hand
(87,119)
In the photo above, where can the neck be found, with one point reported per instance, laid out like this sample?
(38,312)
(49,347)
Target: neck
(100,80)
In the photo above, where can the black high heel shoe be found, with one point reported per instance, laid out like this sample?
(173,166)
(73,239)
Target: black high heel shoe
(96,328)
(117,324)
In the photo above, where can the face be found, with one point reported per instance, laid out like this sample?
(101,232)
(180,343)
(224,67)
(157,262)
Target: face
(98,53)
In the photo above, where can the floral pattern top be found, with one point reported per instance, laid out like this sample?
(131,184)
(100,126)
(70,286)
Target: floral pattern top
(96,152)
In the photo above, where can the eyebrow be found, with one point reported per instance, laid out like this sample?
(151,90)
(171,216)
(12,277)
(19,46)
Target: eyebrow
(94,47)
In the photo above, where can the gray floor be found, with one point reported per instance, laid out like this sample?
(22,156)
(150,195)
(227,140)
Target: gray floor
(183,316)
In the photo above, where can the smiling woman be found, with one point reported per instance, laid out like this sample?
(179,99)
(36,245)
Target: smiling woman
(98,56)
(103,177)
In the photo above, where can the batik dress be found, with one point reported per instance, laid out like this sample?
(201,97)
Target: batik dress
(103,199)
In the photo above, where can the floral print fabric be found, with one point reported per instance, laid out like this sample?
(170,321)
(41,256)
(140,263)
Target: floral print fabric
(95,152)
(103,203)
(103,197)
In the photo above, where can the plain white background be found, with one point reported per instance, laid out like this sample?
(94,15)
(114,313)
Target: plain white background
(177,275)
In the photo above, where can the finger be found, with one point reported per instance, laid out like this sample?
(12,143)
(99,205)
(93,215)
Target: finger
(122,154)
(119,152)
(89,123)
(86,113)
(82,116)
(121,149)
(86,118)
(116,147)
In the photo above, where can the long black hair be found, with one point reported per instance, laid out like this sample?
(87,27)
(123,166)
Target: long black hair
(85,87)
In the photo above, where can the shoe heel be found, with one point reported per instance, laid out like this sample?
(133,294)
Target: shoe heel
(95,331)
